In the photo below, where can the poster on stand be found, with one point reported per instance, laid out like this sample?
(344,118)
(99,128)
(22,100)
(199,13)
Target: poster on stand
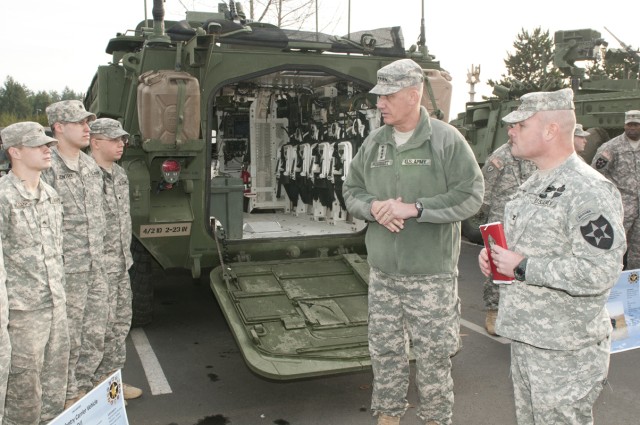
(103,405)
(624,309)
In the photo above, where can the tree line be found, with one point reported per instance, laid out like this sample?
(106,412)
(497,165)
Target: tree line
(18,103)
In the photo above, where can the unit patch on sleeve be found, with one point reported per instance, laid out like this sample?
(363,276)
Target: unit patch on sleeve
(598,233)
(601,163)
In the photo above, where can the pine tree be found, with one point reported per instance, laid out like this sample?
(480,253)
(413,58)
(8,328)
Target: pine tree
(531,68)
(14,99)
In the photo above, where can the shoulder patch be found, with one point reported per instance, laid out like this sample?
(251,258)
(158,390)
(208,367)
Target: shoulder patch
(598,233)
(497,163)
(601,162)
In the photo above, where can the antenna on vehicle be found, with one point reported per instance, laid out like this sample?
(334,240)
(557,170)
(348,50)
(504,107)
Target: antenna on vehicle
(422,40)
(159,36)
(349,20)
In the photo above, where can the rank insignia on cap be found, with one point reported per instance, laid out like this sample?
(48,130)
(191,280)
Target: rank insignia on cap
(598,233)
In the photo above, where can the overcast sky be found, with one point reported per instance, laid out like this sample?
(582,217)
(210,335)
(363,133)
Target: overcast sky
(48,45)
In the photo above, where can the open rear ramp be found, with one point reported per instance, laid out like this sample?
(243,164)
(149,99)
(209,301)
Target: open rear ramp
(297,318)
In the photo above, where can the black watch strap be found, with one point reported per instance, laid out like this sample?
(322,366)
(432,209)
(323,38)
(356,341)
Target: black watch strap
(420,208)
(520,271)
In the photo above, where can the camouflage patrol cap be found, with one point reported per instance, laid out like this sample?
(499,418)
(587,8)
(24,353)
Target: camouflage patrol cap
(26,133)
(561,100)
(580,132)
(632,116)
(109,128)
(396,76)
(68,111)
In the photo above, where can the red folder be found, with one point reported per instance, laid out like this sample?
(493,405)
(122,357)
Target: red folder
(493,234)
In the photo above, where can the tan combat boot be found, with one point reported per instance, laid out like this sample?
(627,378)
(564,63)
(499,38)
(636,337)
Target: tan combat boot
(130,392)
(388,420)
(490,322)
(70,402)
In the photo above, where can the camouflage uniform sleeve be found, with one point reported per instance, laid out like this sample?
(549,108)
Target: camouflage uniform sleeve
(491,171)
(604,160)
(597,243)
(354,190)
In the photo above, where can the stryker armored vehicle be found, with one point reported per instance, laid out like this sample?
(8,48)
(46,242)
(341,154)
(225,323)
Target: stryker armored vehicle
(600,102)
(241,137)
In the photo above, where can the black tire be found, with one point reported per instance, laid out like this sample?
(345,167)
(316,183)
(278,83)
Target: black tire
(471,229)
(142,276)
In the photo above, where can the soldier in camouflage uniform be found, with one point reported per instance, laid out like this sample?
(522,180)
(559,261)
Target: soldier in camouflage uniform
(414,180)
(5,345)
(580,139)
(108,140)
(566,241)
(78,180)
(503,174)
(31,231)
(619,161)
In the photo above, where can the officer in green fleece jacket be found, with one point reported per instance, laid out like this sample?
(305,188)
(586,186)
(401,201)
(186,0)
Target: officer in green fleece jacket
(414,179)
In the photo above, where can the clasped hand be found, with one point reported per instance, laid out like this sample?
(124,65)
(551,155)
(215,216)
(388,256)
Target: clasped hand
(392,213)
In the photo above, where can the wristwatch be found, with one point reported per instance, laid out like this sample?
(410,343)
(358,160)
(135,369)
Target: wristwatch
(420,208)
(520,270)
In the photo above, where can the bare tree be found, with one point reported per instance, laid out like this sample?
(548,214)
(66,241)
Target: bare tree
(283,13)
(293,14)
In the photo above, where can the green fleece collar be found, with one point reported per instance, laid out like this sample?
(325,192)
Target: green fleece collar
(423,129)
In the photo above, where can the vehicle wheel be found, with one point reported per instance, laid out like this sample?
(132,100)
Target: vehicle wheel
(471,229)
(141,274)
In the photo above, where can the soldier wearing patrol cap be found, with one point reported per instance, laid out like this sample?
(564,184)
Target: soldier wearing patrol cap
(580,139)
(78,180)
(31,233)
(414,179)
(108,140)
(565,241)
(503,174)
(617,160)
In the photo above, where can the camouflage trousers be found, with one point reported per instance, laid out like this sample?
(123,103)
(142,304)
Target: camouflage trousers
(118,324)
(39,359)
(633,245)
(557,387)
(87,312)
(5,361)
(490,294)
(427,310)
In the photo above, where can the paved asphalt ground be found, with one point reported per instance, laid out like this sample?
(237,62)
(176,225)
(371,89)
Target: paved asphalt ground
(200,377)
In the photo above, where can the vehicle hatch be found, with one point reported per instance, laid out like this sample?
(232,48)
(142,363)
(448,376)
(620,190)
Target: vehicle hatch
(297,318)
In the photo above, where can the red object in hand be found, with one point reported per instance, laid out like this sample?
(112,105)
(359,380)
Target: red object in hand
(493,234)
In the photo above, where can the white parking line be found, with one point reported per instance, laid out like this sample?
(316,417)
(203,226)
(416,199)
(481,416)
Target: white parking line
(481,331)
(155,376)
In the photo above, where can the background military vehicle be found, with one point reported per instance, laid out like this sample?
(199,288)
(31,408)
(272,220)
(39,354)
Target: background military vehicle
(600,102)
(241,136)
